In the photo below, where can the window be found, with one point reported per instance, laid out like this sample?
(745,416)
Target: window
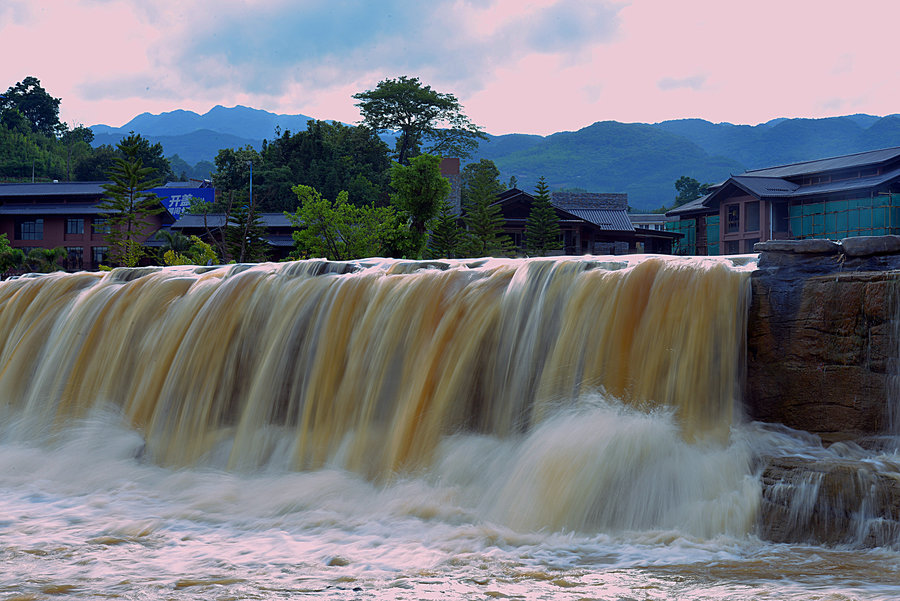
(101,225)
(732,247)
(98,255)
(75,257)
(732,218)
(74,225)
(748,244)
(32,229)
(751,216)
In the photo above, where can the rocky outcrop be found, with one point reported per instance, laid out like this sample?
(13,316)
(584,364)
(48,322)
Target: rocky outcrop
(821,339)
(830,501)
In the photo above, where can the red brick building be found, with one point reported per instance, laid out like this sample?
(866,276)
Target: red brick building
(62,214)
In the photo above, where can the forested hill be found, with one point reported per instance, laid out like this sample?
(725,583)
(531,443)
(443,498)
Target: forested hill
(643,160)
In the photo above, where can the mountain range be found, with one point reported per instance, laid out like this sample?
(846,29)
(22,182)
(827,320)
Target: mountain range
(644,160)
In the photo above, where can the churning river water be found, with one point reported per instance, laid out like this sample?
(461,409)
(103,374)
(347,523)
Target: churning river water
(501,429)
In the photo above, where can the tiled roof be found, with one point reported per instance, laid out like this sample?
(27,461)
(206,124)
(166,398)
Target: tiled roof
(215,220)
(615,220)
(53,189)
(765,187)
(848,161)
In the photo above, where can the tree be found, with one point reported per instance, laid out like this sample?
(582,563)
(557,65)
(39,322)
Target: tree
(34,103)
(245,234)
(689,189)
(542,226)
(129,205)
(427,120)
(341,231)
(483,217)
(446,237)
(468,173)
(45,260)
(197,252)
(420,189)
(10,258)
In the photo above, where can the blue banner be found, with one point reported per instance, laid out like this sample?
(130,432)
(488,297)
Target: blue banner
(177,200)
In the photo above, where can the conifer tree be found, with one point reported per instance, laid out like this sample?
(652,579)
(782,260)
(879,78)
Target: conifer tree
(245,233)
(446,236)
(483,217)
(129,204)
(542,227)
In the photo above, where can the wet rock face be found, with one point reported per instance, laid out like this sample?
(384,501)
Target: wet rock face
(820,501)
(821,345)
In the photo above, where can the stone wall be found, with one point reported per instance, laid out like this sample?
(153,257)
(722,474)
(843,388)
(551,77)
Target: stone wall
(821,336)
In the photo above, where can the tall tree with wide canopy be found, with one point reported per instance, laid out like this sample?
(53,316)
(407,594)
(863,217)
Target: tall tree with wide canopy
(33,102)
(427,120)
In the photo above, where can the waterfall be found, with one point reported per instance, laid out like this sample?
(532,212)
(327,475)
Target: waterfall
(368,363)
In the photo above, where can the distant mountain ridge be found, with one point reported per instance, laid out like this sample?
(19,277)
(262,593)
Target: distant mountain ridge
(641,159)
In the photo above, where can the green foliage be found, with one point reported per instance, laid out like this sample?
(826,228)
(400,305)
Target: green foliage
(329,157)
(427,120)
(689,189)
(483,217)
(233,168)
(197,252)
(30,100)
(341,231)
(45,260)
(245,234)
(420,188)
(10,258)
(486,167)
(129,205)
(447,238)
(542,227)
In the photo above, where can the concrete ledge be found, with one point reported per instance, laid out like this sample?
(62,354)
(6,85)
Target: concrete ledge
(813,246)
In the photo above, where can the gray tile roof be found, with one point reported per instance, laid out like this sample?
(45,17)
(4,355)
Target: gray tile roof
(842,162)
(51,189)
(615,220)
(215,220)
(765,187)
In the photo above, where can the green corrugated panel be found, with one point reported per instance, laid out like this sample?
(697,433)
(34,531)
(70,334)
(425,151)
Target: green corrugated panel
(841,222)
(795,210)
(853,220)
(795,225)
(818,224)
(878,217)
(830,222)
(833,206)
(713,249)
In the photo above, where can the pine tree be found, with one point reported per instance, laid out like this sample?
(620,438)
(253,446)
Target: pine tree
(542,227)
(245,234)
(129,205)
(446,236)
(483,218)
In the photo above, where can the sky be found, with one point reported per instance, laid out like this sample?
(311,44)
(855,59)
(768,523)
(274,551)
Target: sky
(516,66)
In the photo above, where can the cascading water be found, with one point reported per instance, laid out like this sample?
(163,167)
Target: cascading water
(564,427)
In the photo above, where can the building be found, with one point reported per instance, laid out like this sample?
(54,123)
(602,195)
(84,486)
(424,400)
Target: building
(590,223)
(835,198)
(62,214)
(211,229)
